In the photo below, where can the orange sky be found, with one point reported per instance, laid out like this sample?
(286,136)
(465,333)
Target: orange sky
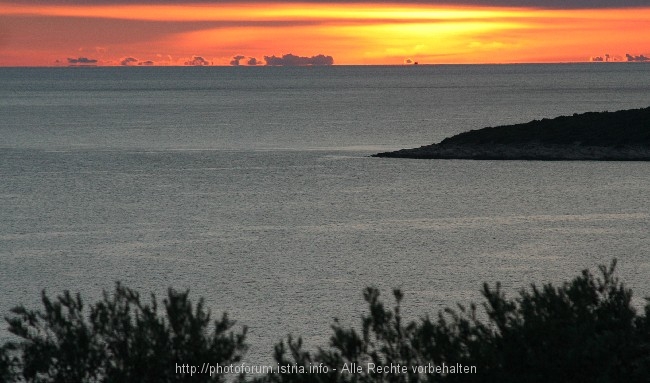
(352,33)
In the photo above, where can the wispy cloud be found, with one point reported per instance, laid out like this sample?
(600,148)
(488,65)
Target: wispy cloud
(355,33)
(128,61)
(549,4)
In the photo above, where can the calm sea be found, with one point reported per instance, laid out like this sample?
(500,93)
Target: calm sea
(253,188)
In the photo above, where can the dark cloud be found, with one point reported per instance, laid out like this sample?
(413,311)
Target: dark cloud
(293,60)
(558,4)
(128,61)
(235,60)
(82,61)
(197,61)
(640,58)
(605,58)
(146,63)
(250,61)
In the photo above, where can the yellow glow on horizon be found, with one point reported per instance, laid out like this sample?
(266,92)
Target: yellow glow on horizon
(290,11)
(262,12)
(354,33)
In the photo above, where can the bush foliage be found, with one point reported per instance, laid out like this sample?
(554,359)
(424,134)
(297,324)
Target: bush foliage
(585,330)
(119,339)
(582,331)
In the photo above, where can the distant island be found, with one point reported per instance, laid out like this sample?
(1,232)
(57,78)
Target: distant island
(595,136)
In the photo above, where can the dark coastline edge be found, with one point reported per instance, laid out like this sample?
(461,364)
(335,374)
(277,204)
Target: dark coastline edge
(527,153)
(594,136)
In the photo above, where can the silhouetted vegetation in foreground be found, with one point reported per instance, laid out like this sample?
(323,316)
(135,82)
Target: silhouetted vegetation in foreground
(585,330)
(118,339)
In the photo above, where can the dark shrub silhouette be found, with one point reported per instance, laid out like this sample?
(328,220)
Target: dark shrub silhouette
(119,339)
(583,331)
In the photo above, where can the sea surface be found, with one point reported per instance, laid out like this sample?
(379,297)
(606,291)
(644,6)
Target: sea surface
(253,187)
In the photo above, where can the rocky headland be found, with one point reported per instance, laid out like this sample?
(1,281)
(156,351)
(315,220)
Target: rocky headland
(596,136)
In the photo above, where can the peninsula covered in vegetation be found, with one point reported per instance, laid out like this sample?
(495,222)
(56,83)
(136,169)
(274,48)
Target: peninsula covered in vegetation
(602,136)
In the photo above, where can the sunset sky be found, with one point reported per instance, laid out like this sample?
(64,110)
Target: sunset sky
(160,32)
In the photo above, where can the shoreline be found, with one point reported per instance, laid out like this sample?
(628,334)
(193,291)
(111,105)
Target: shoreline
(532,152)
(594,136)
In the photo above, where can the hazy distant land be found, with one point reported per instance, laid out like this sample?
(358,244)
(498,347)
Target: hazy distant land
(602,136)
